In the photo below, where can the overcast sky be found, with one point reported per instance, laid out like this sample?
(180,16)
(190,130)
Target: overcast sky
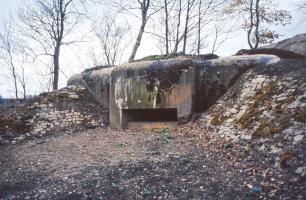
(74,63)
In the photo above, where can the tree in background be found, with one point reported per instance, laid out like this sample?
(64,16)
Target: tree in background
(13,57)
(186,25)
(49,24)
(144,7)
(111,35)
(258,16)
(141,9)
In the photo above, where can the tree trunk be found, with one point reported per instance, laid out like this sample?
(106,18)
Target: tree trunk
(251,25)
(24,92)
(56,66)
(13,72)
(144,10)
(215,40)
(167,27)
(15,83)
(178,28)
(199,28)
(257,25)
(186,27)
(138,41)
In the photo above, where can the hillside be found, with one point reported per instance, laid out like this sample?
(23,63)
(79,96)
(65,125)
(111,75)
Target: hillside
(248,141)
(296,44)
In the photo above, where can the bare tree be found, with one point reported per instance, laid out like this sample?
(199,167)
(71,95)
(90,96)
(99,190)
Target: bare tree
(144,7)
(209,14)
(166,25)
(258,15)
(177,31)
(13,56)
(49,23)
(111,35)
(189,9)
(221,35)
(129,7)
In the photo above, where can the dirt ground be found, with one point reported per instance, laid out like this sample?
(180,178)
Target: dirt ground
(133,164)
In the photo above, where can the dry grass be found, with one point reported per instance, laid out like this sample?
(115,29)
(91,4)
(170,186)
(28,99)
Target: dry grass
(300,115)
(268,128)
(284,157)
(261,98)
(217,119)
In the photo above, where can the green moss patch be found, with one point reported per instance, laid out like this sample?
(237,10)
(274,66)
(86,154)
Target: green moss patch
(261,98)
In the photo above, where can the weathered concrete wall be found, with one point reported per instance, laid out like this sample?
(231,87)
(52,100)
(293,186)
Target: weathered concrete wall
(152,85)
(188,85)
(96,82)
(215,76)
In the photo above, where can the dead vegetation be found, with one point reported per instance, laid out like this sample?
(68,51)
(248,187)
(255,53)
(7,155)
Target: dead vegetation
(300,115)
(268,128)
(9,123)
(217,119)
(285,157)
(259,100)
(263,101)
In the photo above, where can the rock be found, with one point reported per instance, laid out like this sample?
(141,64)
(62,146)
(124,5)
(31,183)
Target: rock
(296,44)
(74,96)
(298,138)
(274,149)
(22,137)
(246,137)
(301,171)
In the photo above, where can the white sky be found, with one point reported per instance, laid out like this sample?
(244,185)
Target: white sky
(74,59)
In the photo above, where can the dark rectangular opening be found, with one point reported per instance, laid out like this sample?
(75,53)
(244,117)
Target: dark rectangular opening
(150,115)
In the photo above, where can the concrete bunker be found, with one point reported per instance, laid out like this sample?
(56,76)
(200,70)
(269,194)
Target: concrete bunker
(152,94)
(150,118)
(157,94)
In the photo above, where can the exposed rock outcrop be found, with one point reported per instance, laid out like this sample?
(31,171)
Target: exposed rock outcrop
(189,85)
(296,44)
(265,102)
(67,109)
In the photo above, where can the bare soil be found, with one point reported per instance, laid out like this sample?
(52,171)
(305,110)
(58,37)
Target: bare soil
(109,164)
(104,163)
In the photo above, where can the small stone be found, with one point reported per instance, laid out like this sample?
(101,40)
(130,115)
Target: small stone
(274,149)
(301,171)
(40,141)
(74,96)
(246,137)
(298,138)
(22,137)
